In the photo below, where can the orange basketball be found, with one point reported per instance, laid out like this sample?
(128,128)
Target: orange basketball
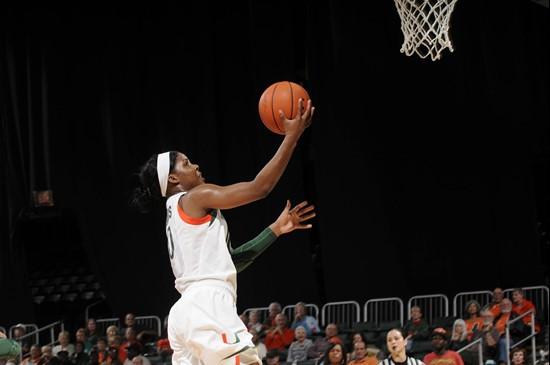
(282,95)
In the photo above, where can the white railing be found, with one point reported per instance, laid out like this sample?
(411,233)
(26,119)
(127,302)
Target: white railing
(150,322)
(35,334)
(103,323)
(87,310)
(28,326)
(530,336)
(263,313)
(311,310)
(383,309)
(345,312)
(435,305)
(479,349)
(459,301)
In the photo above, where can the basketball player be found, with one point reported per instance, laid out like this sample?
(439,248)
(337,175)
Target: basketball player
(203,325)
(397,346)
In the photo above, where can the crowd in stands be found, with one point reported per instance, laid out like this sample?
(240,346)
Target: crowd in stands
(87,346)
(301,340)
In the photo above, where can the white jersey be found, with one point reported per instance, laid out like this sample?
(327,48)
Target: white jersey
(198,247)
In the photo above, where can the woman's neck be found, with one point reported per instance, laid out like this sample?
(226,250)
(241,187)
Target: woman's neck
(399,357)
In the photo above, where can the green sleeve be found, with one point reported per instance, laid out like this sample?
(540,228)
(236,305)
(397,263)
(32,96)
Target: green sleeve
(245,254)
(9,349)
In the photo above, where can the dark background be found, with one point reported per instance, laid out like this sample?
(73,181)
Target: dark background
(428,176)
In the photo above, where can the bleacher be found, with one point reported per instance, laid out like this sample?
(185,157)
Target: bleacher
(374,317)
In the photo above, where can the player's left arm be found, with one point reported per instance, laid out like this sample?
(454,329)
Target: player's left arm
(288,220)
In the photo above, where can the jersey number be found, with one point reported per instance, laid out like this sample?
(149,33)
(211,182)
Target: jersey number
(169,234)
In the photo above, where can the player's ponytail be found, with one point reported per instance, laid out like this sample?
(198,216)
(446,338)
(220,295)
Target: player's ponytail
(148,189)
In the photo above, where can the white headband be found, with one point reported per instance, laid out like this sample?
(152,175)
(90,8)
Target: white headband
(163,170)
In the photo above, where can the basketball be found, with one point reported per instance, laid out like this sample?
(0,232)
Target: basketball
(282,95)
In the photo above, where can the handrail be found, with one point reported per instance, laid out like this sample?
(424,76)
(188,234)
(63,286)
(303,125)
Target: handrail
(479,349)
(87,310)
(157,321)
(36,332)
(531,336)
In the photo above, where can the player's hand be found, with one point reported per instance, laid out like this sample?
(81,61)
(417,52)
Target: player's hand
(291,219)
(304,115)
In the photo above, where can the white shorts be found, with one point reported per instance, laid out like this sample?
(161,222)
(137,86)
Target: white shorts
(204,327)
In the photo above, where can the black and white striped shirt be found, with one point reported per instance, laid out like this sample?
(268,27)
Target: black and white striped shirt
(409,361)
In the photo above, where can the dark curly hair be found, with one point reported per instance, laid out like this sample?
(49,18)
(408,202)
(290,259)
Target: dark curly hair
(148,189)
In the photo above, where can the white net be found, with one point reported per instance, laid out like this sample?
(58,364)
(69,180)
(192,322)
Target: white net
(425,25)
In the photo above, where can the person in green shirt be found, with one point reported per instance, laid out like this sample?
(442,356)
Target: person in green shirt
(9,348)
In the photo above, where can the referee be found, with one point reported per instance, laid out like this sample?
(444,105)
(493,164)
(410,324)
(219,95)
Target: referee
(397,343)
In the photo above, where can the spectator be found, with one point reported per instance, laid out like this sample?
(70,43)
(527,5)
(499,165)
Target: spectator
(257,341)
(34,357)
(516,329)
(62,358)
(115,341)
(335,354)
(397,342)
(320,345)
(91,331)
(280,337)
(142,334)
(254,321)
(80,356)
(298,348)
(520,305)
(82,336)
(489,335)
(518,356)
(64,344)
(360,352)
(440,355)
(301,318)
(47,355)
(94,358)
(130,337)
(132,350)
(350,349)
(163,344)
(273,357)
(114,358)
(19,331)
(472,317)
(270,323)
(141,360)
(102,349)
(459,336)
(494,304)
(416,328)
(244,318)
(111,332)
(9,348)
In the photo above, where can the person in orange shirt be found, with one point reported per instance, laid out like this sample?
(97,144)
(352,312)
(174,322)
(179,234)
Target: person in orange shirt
(130,337)
(521,305)
(472,318)
(516,329)
(361,358)
(280,337)
(494,305)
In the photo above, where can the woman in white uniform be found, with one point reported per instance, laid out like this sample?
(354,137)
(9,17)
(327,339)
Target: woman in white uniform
(203,325)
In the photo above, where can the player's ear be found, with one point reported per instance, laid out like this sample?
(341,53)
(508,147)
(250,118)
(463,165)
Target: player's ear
(173,179)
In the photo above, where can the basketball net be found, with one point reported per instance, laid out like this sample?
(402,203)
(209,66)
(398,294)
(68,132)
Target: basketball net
(425,26)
